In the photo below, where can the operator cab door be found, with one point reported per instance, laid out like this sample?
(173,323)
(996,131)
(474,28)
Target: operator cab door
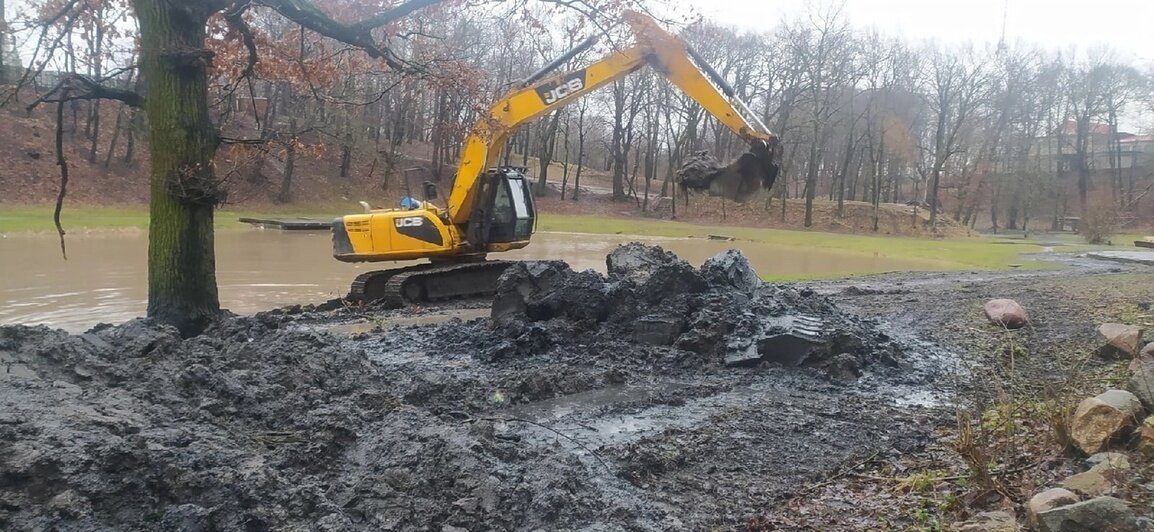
(504,212)
(512,213)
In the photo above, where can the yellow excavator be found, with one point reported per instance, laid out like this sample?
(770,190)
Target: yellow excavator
(490,208)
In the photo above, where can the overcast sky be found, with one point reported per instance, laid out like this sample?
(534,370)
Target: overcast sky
(1125,25)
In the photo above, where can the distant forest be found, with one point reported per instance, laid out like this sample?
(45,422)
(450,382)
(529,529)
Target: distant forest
(1009,134)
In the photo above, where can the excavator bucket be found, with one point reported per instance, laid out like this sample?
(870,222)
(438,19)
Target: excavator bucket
(738,181)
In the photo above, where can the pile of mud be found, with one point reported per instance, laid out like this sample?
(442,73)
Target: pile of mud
(263,424)
(249,427)
(718,314)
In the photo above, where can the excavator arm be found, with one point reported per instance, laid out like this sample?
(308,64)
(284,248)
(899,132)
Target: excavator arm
(667,54)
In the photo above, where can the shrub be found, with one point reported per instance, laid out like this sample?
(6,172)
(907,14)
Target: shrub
(1099,222)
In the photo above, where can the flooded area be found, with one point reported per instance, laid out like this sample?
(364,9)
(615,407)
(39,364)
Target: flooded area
(105,276)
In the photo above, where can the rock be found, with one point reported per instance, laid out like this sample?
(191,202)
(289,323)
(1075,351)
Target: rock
(1007,313)
(1147,351)
(1122,340)
(1141,360)
(1096,423)
(731,269)
(1124,401)
(1145,436)
(451,528)
(1046,501)
(1090,483)
(1108,463)
(988,522)
(1097,514)
(1141,384)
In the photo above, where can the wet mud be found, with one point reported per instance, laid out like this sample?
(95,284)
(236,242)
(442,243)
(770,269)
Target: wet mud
(656,396)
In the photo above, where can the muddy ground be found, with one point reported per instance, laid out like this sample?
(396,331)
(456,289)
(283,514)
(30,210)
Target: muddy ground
(658,397)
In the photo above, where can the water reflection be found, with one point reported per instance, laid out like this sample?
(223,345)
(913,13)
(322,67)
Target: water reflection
(105,276)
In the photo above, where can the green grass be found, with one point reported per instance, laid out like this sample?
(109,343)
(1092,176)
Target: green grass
(15,218)
(934,254)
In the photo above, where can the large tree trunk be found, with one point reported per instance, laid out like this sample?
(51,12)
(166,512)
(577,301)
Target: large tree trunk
(811,177)
(286,183)
(181,260)
(3,44)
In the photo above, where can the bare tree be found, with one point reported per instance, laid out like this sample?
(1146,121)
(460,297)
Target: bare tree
(956,88)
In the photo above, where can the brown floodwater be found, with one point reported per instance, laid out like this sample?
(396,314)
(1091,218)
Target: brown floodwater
(105,276)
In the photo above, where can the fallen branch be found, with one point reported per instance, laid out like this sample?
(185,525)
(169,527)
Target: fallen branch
(63,163)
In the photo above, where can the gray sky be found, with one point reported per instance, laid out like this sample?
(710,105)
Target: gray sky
(1124,25)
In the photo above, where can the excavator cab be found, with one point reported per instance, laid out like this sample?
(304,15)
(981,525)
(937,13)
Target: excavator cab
(505,212)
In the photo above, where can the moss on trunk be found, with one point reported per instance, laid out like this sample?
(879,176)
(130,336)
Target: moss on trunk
(181,259)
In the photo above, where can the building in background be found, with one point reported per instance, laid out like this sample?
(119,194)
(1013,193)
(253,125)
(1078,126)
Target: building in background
(1107,150)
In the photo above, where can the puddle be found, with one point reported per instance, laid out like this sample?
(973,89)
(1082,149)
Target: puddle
(105,276)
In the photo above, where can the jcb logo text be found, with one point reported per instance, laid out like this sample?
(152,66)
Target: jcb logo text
(409,222)
(552,93)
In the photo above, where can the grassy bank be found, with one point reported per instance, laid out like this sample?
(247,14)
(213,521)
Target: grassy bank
(935,254)
(944,254)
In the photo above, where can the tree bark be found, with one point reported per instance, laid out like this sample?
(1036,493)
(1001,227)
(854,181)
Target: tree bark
(181,259)
(286,183)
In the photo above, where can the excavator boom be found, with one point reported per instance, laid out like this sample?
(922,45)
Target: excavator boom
(670,55)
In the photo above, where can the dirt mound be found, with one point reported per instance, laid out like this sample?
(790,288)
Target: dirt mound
(246,427)
(566,411)
(718,314)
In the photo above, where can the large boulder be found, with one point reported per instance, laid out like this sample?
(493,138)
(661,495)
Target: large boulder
(1089,483)
(1099,420)
(1147,350)
(1141,384)
(1046,501)
(1125,401)
(1121,340)
(988,522)
(1007,313)
(1109,463)
(1095,515)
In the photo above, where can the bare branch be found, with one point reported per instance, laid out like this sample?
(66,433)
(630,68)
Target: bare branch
(235,18)
(396,13)
(92,90)
(359,34)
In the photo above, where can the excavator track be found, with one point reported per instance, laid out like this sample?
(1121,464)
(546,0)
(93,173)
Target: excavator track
(426,283)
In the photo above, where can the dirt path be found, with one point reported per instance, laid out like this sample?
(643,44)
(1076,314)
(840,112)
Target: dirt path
(564,413)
